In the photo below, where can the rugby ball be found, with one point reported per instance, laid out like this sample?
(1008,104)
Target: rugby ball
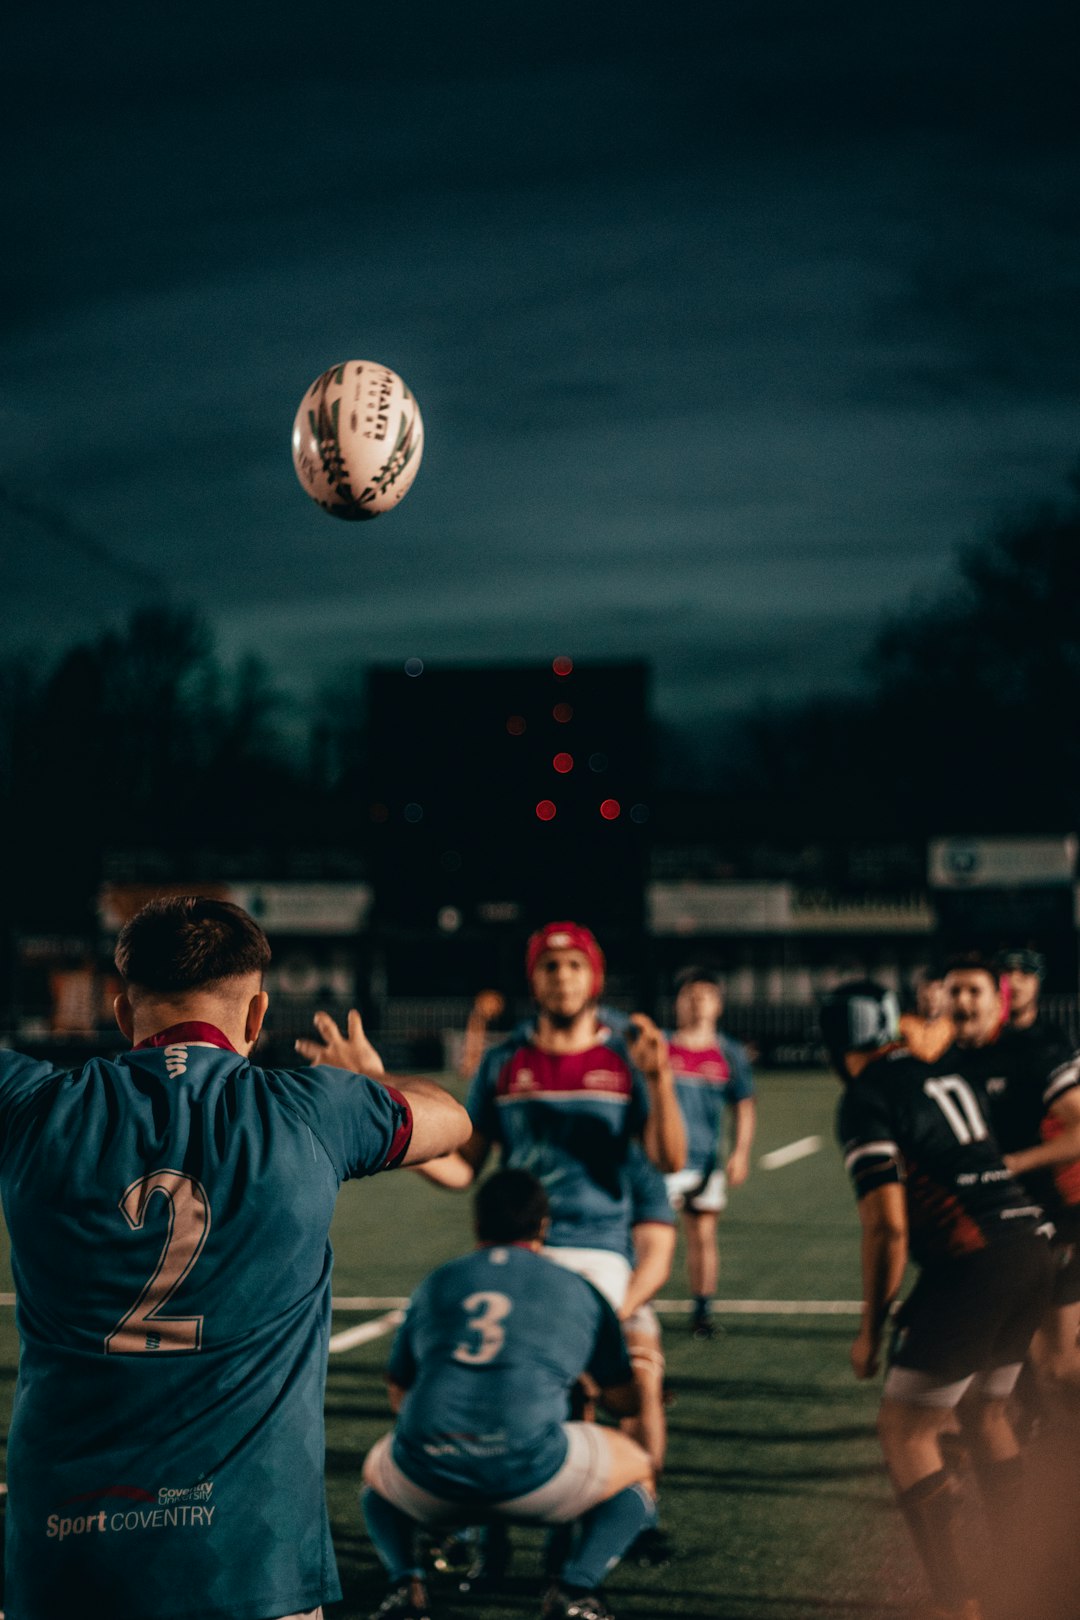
(357,440)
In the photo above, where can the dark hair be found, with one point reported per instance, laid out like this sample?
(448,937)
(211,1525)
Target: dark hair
(1021,959)
(971,962)
(699,975)
(510,1207)
(859,1015)
(188,942)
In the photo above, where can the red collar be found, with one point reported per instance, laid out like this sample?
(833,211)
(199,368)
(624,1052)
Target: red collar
(194,1032)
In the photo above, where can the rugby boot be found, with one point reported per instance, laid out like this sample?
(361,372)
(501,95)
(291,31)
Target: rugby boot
(564,1603)
(406,1601)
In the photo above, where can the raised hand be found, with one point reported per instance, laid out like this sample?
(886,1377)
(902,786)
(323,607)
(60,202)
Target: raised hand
(352,1051)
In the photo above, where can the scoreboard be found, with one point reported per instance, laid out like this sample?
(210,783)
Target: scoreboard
(508,795)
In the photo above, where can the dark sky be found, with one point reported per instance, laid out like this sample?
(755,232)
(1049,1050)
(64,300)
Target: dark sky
(728,320)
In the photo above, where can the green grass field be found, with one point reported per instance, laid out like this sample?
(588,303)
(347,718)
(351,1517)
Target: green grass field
(774,1489)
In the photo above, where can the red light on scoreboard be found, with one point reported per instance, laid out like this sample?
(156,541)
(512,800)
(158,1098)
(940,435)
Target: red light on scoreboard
(611,809)
(562,666)
(563,713)
(563,763)
(545,810)
(515,724)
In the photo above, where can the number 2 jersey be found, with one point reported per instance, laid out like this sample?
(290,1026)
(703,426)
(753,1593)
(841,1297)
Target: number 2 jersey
(926,1127)
(168,1213)
(488,1350)
(570,1120)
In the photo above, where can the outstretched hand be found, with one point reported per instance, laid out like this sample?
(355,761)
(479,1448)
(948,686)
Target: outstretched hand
(352,1051)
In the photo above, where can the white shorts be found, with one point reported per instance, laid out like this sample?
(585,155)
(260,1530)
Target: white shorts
(607,1271)
(644,1321)
(575,1487)
(704,1195)
(917,1388)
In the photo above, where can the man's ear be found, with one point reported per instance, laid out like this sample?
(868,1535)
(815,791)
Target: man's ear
(255,1014)
(124,1016)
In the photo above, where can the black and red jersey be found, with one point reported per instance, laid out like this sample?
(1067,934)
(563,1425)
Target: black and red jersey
(1023,1073)
(925,1126)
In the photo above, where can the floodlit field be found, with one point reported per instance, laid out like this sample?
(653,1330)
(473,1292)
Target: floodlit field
(774,1489)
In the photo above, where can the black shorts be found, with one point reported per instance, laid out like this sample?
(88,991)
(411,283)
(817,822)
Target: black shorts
(1066,1250)
(975,1314)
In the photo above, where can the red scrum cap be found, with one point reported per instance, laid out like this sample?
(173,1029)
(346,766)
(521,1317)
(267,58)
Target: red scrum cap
(566,936)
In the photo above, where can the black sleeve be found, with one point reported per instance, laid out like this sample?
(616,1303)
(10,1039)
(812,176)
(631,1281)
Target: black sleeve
(864,1123)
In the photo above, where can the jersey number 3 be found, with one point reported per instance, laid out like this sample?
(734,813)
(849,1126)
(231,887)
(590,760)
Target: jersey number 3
(957,1102)
(142,1329)
(487,1312)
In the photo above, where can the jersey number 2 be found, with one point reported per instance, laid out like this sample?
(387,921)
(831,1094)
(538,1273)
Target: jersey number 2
(142,1329)
(487,1312)
(957,1102)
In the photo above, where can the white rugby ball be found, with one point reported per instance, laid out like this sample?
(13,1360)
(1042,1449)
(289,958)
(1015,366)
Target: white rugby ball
(357,439)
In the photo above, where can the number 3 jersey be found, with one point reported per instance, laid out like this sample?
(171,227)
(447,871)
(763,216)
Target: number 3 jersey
(903,1121)
(168,1214)
(488,1350)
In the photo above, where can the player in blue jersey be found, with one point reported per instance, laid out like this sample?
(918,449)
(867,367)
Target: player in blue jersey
(168,1213)
(480,1376)
(928,1174)
(564,1097)
(712,1074)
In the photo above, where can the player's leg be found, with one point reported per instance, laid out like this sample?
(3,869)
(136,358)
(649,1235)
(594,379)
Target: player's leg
(649,1428)
(606,1483)
(908,1428)
(1055,1352)
(703,1204)
(939,1346)
(642,1333)
(393,1508)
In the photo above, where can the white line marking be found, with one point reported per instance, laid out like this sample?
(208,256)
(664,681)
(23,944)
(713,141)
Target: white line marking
(765,1307)
(364,1332)
(801,1149)
(393,1305)
(370,1302)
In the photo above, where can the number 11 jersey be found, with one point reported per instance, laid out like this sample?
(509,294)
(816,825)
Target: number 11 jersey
(905,1121)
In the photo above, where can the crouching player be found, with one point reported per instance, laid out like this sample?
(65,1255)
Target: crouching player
(480,1375)
(926,1170)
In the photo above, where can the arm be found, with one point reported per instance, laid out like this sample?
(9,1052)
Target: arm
(1061,1146)
(883,1215)
(488,1005)
(664,1136)
(460,1169)
(654,1250)
(440,1123)
(396,1394)
(738,1165)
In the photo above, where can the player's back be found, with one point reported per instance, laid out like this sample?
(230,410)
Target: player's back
(490,1347)
(960,1196)
(168,1214)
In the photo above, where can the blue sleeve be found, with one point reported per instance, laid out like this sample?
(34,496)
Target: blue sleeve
(21,1078)
(741,1085)
(364,1125)
(480,1101)
(609,1362)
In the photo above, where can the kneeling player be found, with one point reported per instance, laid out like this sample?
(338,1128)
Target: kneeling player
(480,1375)
(923,1162)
